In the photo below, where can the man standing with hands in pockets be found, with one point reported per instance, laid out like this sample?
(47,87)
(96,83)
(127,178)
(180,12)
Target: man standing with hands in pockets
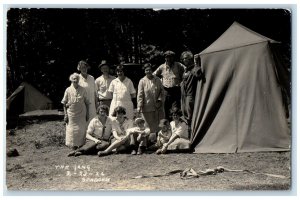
(171,74)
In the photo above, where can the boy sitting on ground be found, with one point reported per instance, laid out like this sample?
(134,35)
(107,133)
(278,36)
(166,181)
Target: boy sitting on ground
(138,136)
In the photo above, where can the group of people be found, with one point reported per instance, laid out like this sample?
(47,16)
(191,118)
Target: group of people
(100,117)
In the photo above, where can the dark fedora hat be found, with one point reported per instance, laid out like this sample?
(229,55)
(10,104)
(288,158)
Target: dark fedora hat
(147,65)
(169,53)
(103,62)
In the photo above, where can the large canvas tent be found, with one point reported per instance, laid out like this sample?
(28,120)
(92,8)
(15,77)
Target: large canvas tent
(24,99)
(239,107)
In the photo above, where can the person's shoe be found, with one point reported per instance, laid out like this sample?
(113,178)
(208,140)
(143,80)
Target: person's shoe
(158,151)
(75,147)
(164,150)
(102,153)
(72,153)
(78,153)
(133,152)
(140,151)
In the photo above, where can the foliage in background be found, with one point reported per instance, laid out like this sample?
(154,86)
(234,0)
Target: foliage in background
(45,45)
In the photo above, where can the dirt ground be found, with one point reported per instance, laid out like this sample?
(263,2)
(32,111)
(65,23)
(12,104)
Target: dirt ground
(43,165)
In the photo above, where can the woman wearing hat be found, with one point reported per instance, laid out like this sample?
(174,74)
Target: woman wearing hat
(122,91)
(150,99)
(76,106)
(88,82)
(102,84)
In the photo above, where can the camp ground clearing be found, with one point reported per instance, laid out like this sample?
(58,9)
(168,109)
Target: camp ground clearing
(240,133)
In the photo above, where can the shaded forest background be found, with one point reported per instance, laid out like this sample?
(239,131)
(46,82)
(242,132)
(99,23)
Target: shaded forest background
(45,45)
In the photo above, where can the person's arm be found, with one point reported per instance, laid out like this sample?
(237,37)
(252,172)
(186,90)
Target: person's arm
(176,134)
(87,112)
(131,131)
(181,71)
(114,130)
(169,134)
(144,132)
(87,104)
(197,60)
(89,131)
(129,128)
(173,137)
(96,99)
(160,97)
(66,119)
(181,131)
(147,131)
(140,96)
(158,71)
(90,137)
(115,134)
(197,69)
(166,137)
(97,87)
(111,89)
(109,94)
(131,90)
(64,102)
(198,73)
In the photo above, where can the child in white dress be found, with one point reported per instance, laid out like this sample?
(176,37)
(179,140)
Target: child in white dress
(164,134)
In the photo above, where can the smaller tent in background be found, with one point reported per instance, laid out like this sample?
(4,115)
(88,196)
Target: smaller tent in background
(239,108)
(24,99)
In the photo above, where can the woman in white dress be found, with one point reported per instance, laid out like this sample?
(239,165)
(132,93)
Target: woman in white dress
(122,91)
(88,82)
(76,106)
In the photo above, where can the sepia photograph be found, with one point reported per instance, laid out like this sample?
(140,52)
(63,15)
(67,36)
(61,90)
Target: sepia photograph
(148,99)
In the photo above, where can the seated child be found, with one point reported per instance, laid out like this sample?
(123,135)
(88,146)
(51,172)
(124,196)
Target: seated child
(138,136)
(164,134)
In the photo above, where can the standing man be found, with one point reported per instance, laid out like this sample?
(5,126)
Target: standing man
(102,84)
(191,75)
(171,73)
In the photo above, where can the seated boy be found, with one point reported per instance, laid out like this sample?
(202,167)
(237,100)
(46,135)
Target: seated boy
(138,136)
